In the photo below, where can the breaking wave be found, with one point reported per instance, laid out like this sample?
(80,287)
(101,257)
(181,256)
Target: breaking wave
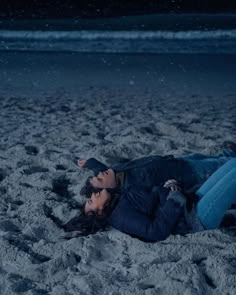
(193,41)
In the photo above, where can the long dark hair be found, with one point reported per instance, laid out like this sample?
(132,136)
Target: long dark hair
(88,189)
(92,222)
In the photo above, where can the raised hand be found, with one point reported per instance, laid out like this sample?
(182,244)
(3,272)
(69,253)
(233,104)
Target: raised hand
(81,163)
(172,184)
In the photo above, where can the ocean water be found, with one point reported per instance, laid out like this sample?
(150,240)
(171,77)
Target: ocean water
(130,35)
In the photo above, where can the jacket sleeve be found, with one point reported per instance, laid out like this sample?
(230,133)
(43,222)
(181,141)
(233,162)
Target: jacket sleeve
(137,163)
(154,229)
(162,193)
(95,165)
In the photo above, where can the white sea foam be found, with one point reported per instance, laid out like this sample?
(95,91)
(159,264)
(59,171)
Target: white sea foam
(126,35)
(206,41)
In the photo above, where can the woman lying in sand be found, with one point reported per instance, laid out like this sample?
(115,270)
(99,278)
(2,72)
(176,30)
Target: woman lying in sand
(153,213)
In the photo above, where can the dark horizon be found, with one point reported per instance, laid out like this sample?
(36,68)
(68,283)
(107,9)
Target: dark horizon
(34,9)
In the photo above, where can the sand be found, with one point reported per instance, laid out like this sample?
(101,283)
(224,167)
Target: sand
(57,108)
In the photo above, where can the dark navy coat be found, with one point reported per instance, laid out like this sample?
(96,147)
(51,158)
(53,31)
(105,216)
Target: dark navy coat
(155,170)
(148,215)
(191,171)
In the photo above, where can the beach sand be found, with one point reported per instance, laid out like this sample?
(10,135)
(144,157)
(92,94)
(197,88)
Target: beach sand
(56,108)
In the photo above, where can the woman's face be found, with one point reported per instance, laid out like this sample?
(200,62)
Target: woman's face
(104,179)
(97,201)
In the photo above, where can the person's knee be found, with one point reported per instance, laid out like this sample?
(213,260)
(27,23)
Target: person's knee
(233,160)
(231,163)
(233,171)
(231,174)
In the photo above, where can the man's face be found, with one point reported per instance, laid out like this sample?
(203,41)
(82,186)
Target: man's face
(104,179)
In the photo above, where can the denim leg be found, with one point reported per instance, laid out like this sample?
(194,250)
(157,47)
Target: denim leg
(212,207)
(215,177)
(202,169)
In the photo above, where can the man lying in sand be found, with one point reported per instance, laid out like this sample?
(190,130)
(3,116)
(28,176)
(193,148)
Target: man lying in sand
(190,170)
(131,196)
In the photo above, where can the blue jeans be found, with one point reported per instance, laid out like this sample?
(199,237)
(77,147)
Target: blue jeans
(203,166)
(217,195)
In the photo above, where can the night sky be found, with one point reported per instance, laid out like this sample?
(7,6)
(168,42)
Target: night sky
(107,8)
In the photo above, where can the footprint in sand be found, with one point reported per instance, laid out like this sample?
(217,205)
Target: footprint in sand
(209,281)
(60,186)
(146,286)
(20,284)
(31,150)
(60,167)
(8,226)
(23,245)
(85,133)
(35,169)
(3,174)
(63,261)
(3,190)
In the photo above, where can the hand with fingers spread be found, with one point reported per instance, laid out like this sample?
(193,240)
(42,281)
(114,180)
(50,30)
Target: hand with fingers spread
(81,163)
(172,184)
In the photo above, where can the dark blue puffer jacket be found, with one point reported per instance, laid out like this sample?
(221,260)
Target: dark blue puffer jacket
(148,215)
(191,171)
(150,171)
